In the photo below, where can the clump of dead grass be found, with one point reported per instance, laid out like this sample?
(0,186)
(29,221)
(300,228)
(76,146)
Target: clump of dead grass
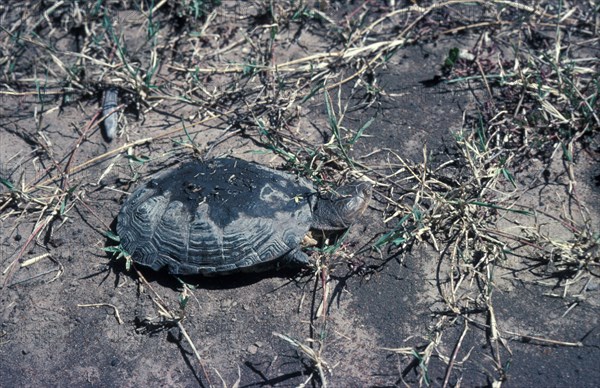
(472,208)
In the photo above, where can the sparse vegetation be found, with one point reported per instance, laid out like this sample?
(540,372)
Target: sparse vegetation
(302,84)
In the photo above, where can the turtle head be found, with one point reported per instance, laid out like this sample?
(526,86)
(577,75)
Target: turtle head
(339,209)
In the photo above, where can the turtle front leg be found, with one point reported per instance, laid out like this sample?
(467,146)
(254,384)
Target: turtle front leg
(296,258)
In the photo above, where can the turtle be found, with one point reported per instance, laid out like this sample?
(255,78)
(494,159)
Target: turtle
(226,215)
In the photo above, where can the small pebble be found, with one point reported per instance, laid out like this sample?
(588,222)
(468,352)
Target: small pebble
(227,303)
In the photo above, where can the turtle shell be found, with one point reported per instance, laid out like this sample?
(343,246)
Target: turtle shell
(220,216)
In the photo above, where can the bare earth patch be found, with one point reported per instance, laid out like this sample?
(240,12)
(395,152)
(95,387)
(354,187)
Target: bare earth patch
(476,264)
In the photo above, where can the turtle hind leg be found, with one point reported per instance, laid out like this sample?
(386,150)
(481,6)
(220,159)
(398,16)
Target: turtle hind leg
(295,258)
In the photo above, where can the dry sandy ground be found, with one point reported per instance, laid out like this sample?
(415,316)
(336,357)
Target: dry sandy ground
(77,318)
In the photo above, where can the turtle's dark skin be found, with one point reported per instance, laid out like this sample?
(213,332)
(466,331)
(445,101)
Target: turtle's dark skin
(227,215)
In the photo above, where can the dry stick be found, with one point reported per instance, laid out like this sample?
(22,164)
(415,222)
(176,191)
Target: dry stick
(514,238)
(544,340)
(483,77)
(526,338)
(324,302)
(5,204)
(453,31)
(494,335)
(351,15)
(454,355)
(33,260)
(58,271)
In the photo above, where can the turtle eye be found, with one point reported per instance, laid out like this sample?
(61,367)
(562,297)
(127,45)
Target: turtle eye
(357,204)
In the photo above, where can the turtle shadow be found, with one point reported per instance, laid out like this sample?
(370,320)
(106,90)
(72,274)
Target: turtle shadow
(219,282)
